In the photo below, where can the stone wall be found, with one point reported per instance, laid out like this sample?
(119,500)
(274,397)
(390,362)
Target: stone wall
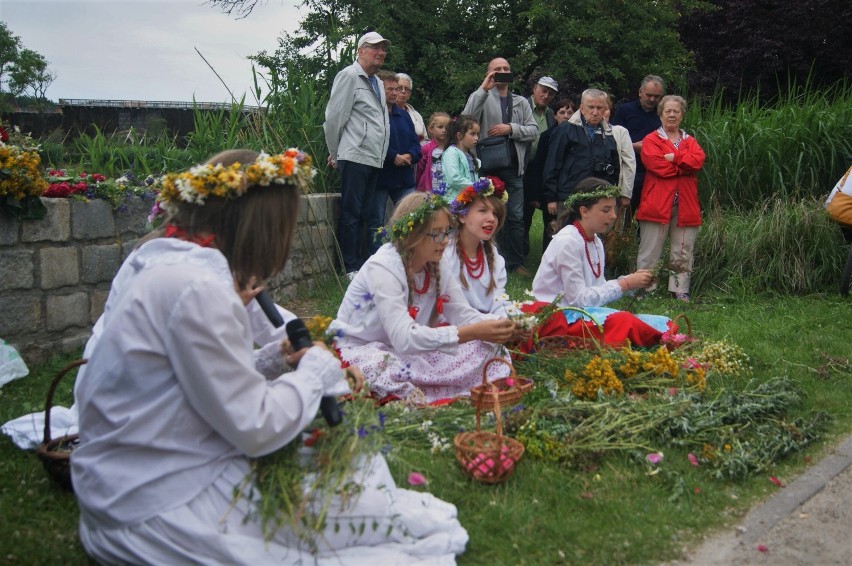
(55,273)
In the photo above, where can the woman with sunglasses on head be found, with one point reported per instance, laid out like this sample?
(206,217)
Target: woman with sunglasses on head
(388,324)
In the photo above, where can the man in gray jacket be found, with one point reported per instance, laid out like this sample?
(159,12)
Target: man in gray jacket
(490,104)
(357,134)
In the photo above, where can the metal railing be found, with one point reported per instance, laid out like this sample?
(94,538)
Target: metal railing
(151,104)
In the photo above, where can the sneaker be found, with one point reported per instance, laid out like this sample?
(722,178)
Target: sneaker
(681,297)
(351,275)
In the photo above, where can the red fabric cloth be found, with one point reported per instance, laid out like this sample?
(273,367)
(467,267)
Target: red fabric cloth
(618,328)
(664,177)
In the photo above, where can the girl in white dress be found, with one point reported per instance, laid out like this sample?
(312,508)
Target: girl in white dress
(172,407)
(480,212)
(572,268)
(388,323)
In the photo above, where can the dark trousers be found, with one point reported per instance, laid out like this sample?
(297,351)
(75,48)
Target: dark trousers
(358,212)
(510,239)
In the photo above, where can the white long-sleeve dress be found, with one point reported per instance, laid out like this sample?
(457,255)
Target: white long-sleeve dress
(171,410)
(477,293)
(401,355)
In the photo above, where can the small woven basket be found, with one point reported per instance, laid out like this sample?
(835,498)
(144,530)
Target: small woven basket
(683,318)
(678,320)
(488,457)
(507,390)
(565,344)
(55,454)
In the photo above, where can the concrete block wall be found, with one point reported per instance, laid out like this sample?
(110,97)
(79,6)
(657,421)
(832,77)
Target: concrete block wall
(55,273)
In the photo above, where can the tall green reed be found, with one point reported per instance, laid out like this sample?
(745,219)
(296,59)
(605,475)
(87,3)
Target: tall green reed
(792,148)
(114,155)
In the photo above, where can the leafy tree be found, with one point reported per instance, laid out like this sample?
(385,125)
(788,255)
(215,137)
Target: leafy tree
(10,44)
(748,45)
(445,45)
(22,70)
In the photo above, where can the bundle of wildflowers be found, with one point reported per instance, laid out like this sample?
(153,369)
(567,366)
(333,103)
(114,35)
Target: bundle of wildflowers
(297,486)
(732,433)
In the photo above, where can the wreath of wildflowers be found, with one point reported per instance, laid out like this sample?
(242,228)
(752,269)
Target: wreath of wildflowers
(403,227)
(484,187)
(292,167)
(609,191)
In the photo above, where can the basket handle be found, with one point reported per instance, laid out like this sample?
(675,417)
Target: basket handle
(49,403)
(683,317)
(513,375)
(498,415)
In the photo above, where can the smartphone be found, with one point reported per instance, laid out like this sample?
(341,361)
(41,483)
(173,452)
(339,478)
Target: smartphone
(502,77)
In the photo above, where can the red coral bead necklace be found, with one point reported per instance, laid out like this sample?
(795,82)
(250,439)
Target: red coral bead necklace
(587,239)
(475,267)
(426,280)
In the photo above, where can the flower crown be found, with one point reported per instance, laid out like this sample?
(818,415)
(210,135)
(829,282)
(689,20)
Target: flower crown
(609,191)
(404,225)
(485,187)
(291,167)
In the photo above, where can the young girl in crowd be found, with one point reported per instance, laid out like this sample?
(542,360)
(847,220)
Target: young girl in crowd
(573,266)
(459,164)
(388,321)
(429,171)
(172,407)
(480,212)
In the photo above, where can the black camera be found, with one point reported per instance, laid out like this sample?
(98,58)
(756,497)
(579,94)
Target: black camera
(605,168)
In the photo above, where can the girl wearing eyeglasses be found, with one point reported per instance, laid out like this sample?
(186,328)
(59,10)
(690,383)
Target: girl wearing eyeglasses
(388,323)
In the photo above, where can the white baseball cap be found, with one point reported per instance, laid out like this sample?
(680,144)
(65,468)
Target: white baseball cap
(549,82)
(373,38)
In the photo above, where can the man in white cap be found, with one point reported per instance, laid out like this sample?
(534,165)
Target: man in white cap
(357,134)
(542,95)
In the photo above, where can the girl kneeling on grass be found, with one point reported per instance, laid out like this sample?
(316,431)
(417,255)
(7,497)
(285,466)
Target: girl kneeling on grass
(472,258)
(573,267)
(388,323)
(173,409)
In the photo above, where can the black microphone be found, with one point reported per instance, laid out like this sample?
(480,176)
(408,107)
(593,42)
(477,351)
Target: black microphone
(300,337)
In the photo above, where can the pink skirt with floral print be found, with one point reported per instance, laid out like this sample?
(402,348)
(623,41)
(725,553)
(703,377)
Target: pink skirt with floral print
(425,377)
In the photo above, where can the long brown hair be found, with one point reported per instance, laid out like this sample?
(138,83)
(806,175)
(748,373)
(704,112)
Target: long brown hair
(488,247)
(254,231)
(419,232)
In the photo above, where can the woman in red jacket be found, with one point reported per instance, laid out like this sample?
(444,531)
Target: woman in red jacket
(669,203)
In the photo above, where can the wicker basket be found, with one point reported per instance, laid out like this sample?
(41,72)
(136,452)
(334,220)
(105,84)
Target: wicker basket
(55,453)
(488,457)
(683,318)
(508,390)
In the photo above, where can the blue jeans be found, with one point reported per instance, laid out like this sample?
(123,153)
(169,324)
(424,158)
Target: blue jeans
(357,194)
(510,239)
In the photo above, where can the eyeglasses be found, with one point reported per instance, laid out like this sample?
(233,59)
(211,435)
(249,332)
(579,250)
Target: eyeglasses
(441,237)
(376,46)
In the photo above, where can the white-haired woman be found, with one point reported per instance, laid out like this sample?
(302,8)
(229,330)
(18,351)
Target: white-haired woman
(405,84)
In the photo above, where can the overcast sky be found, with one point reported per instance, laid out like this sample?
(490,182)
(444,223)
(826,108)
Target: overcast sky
(145,49)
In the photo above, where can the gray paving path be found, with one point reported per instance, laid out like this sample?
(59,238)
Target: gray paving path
(807,522)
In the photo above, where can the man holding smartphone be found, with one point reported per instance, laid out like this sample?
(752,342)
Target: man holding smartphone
(501,113)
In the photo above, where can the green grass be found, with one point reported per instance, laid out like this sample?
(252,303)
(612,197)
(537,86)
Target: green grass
(610,512)
(546,513)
